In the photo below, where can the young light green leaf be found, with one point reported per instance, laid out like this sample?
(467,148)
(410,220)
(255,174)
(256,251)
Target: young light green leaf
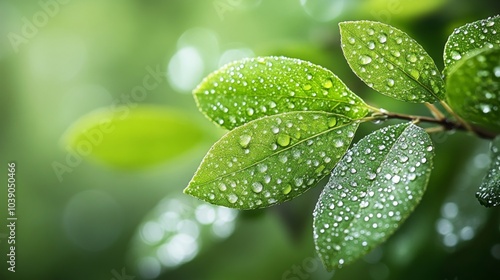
(371,192)
(471,37)
(391,62)
(249,89)
(272,159)
(472,88)
(130,138)
(489,191)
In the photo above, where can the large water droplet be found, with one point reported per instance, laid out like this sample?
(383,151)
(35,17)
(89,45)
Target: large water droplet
(327,83)
(250,111)
(390,82)
(412,58)
(396,179)
(222,187)
(364,204)
(262,168)
(232,198)
(365,59)
(283,140)
(332,122)
(371,45)
(415,74)
(307,87)
(287,189)
(382,38)
(456,55)
(245,140)
(338,143)
(257,187)
(396,53)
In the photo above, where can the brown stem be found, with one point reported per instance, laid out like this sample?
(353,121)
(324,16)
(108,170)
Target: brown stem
(447,124)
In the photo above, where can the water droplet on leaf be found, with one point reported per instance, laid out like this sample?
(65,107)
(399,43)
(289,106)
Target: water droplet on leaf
(365,59)
(283,140)
(456,55)
(245,140)
(257,187)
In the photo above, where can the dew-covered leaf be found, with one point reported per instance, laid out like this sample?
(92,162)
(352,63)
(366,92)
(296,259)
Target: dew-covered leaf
(471,37)
(128,137)
(252,88)
(272,159)
(489,191)
(391,62)
(375,186)
(473,88)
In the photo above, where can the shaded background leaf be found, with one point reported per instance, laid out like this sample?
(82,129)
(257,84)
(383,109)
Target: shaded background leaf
(372,191)
(473,88)
(133,137)
(390,61)
(252,88)
(469,38)
(272,159)
(176,231)
(489,191)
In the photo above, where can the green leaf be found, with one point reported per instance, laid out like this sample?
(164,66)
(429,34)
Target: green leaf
(473,88)
(391,62)
(489,191)
(249,89)
(372,190)
(469,38)
(272,159)
(129,138)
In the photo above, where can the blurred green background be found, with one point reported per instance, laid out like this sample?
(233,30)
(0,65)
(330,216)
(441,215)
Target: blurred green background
(60,60)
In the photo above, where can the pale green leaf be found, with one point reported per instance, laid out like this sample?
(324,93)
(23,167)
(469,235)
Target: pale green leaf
(489,191)
(470,38)
(132,137)
(252,88)
(372,190)
(391,62)
(272,159)
(473,88)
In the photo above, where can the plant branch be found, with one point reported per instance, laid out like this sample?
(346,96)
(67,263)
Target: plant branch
(445,123)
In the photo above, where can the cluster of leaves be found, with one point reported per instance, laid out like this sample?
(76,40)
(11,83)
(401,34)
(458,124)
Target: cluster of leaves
(292,122)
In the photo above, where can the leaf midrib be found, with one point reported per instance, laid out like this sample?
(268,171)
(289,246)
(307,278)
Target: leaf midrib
(278,152)
(400,69)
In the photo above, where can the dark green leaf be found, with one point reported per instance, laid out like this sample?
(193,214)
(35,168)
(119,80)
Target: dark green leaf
(391,62)
(489,191)
(470,38)
(272,159)
(371,192)
(128,137)
(249,89)
(473,88)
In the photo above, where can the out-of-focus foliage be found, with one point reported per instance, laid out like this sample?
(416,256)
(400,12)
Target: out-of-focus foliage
(70,58)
